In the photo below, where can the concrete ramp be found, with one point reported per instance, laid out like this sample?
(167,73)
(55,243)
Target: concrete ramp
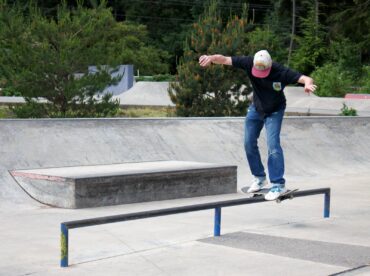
(314,147)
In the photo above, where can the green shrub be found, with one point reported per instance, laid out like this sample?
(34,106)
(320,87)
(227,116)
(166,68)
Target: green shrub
(331,81)
(30,110)
(164,77)
(92,108)
(10,91)
(158,78)
(348,111)
(365,80)
(346,55)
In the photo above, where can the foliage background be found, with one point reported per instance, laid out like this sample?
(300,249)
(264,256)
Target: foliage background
(330,41)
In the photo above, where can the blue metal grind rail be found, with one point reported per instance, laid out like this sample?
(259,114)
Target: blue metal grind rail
(65,226)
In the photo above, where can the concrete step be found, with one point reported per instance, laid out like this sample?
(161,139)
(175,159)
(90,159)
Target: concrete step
(103,185)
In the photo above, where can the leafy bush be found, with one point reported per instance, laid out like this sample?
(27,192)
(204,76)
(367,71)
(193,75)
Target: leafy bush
(93,107)
(30,110)
(160,77)
(346,55)
(348,111)
(164,77)
(10,91)
(332,81)
(365,80)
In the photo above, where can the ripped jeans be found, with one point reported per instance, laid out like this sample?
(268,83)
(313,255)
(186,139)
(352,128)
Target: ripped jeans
(253,125)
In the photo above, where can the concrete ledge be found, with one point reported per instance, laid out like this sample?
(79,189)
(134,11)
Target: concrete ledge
(103,185)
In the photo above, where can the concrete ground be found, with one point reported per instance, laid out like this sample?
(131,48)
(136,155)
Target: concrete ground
(298,102)
(146,93)
(155,94)
(291,238)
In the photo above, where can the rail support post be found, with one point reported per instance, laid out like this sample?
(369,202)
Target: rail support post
(64,245)
(327,204)
(217,228)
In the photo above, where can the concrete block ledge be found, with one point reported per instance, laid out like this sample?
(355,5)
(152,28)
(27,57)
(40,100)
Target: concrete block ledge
(104,185)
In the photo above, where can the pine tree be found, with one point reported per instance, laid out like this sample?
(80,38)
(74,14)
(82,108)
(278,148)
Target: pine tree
(215,90)
(311,50)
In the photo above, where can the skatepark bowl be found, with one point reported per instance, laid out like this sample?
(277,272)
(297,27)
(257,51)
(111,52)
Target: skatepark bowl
(292,237)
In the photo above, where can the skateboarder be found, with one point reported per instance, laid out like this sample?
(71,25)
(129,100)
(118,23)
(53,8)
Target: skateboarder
(268,80)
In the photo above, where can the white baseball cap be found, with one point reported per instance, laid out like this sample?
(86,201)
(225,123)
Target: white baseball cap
(262,63)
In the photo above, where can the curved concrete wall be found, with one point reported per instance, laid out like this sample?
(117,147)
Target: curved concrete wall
(313,146)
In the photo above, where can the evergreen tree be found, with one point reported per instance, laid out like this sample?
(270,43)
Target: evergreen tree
(311,50)
(215,90)
(353,22)
(279,22)
(49,57)
(265,38)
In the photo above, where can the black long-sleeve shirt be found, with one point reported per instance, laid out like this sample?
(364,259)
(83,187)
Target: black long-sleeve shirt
(268,93)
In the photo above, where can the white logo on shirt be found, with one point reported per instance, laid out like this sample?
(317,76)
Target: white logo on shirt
(276,86)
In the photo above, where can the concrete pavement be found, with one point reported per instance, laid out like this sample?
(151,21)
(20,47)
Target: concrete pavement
(320,152)
(298,102)
(155,94)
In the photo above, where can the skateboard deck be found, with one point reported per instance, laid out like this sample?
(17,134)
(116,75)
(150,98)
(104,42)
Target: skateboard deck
(289,194)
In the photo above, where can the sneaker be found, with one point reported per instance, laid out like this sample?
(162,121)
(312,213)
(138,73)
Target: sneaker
(257,185)
(275,192)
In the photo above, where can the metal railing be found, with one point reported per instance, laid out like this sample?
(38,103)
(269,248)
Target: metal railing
(66,226)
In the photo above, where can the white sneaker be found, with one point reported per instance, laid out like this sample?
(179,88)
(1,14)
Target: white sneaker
(257,185)
(275,192)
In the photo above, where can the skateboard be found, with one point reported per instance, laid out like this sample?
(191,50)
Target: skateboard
(289,194)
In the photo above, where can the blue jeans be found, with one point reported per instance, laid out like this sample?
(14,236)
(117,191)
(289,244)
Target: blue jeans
(253,125)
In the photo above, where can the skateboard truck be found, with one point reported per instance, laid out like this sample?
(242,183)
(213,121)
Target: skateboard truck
(285,196)
(289,194)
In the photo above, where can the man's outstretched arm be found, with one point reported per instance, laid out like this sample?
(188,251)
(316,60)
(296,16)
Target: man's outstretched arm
(308,84)
(205,60)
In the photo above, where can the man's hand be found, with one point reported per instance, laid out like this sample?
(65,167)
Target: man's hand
(205,60)
(309,87)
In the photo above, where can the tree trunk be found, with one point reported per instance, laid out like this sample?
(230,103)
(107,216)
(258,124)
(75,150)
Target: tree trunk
(317,12)
(317,16)
(293,31)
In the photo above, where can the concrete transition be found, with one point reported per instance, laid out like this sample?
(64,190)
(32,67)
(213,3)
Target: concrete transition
(93,186)
(146,93)
(314,146)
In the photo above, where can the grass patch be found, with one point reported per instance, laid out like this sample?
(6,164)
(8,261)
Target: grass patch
(138,112)
(125,112)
